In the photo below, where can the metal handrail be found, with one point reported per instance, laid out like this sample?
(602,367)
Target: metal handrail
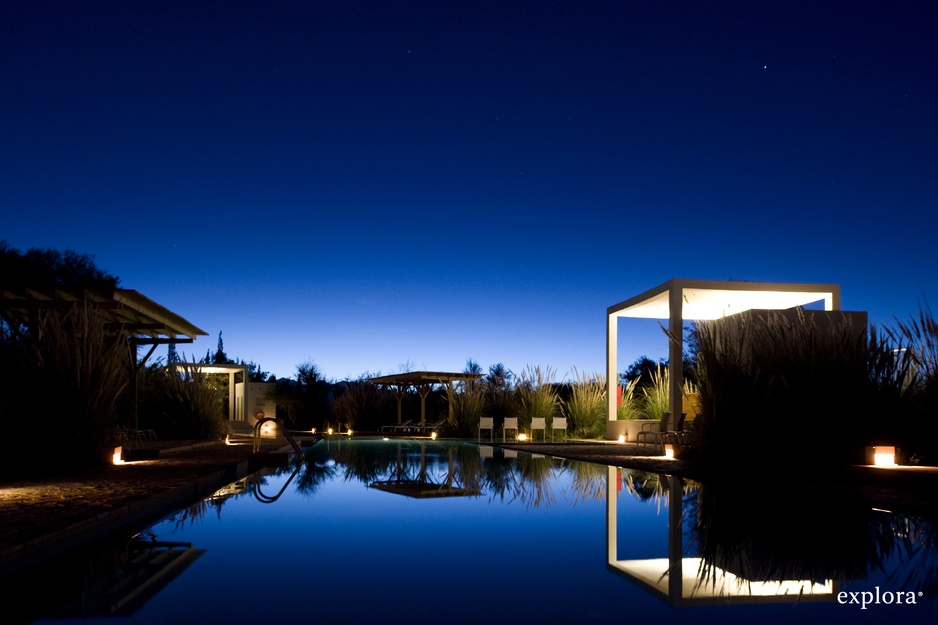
(289,437)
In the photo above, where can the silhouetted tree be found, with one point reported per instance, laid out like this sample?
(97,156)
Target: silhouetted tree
(49,269)
(220,357)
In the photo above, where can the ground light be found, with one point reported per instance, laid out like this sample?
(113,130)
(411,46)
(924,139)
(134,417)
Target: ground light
(522,437)
(116,456)
(881,455)
(669,451)
(621,439)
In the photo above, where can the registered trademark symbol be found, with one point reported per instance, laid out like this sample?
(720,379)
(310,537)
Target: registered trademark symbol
(921,594)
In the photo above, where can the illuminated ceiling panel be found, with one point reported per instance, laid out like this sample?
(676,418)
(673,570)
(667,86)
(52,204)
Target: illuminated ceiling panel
(712,299)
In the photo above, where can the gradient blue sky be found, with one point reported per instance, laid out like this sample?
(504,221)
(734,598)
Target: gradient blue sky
(366,184)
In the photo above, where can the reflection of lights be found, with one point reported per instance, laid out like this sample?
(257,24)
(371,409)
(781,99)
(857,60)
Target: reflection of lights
(116,458)
(386,438)
(669,451)
(621,438)
(522,437)
(721,583)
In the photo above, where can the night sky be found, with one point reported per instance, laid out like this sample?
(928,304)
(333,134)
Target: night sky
(371,184)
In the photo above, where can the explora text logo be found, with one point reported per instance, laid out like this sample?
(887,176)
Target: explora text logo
(887,597)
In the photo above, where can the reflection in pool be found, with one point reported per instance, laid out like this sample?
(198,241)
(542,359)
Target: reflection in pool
(373,531)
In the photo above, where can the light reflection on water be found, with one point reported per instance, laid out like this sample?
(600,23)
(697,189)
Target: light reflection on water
(394,531)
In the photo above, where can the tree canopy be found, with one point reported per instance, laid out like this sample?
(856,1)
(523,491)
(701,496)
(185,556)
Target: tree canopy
(50,269)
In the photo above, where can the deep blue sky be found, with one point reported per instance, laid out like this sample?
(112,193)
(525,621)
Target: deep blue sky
(366,184)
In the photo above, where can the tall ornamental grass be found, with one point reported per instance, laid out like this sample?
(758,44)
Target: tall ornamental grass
(501,400)
(780,392)
(181,402)
(916,381)
(629,406)
(363,405)
(585,406)
(538,396)
(64,389)
(655,398)
(467,405)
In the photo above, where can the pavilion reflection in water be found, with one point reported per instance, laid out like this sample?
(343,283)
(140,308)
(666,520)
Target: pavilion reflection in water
(685,581)
(413,479)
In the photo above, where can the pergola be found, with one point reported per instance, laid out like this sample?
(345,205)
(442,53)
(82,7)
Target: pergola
(138,318)
(699,300)
(422,382)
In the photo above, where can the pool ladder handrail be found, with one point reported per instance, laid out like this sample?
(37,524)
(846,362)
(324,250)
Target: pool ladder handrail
(283,429)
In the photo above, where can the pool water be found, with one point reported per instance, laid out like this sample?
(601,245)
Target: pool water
(394,531)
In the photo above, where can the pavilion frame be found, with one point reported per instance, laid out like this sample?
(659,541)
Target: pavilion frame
(422,382)
(698,300)
(140,320)
(231,371)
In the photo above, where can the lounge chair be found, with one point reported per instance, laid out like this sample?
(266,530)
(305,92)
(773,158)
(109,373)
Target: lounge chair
(662,433)
(487,423)
(397,427)
(558,423)
(429,428)
(539,423)
(511,423)
(654,431)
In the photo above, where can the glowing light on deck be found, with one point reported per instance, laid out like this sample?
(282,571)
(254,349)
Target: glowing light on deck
(881,456)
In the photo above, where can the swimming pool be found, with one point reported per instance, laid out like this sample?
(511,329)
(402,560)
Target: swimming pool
(392,531)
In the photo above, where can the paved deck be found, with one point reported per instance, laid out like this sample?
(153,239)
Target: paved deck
(40,518)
